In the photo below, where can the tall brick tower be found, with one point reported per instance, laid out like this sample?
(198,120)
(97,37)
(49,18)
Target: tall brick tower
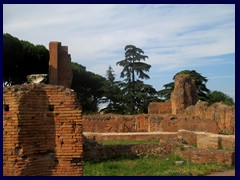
(60,71)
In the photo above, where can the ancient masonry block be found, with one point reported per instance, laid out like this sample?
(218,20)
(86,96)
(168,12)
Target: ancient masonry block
(42,131)
(184,93)
(208,141)
(60,71)
(228,142)
(189,136)
(160,107)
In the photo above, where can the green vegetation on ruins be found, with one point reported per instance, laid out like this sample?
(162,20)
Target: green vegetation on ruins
(149,166)
(130,96)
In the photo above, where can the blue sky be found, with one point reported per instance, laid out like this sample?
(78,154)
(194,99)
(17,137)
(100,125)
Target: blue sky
(175,37)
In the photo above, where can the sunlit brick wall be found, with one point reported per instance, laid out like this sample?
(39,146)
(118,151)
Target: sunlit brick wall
(42,131)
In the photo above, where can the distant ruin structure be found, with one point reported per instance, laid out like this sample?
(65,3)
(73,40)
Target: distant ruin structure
(182,111)
(60,71)
(184,93)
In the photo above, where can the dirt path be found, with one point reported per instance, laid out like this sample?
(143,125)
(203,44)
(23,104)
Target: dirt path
(224,173)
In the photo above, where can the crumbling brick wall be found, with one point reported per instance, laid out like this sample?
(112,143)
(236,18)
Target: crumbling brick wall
(60,70)
(202,156)
(115,123)
(184,93)
(146,123)
(222,114)
(160,107)
(216,148)
(42,131)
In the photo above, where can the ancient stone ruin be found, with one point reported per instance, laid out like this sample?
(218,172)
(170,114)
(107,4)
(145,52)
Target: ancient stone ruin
(42,131)
(182,111)
(42,125)
(202,131)
(184,93)
(60,71)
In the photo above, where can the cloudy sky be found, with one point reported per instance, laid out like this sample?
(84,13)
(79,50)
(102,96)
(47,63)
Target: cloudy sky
(175,37)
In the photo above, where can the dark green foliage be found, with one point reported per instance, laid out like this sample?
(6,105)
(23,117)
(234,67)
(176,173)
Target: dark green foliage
(12,54)
(200,82)
(136,94)
(89,88)
(113,93)
(166,92)
(217,96)
(21,58)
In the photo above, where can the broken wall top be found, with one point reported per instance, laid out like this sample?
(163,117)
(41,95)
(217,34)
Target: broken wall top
(60,71)
(184,93)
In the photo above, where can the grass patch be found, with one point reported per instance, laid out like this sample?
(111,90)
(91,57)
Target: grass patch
(150,166)
(127,142)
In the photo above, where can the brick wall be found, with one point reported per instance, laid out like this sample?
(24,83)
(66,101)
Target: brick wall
(201,156)
(222,114)
(130,136)
(115,123)
(60,71)
(160,107)
(146,123)
(42,131)
(222,153)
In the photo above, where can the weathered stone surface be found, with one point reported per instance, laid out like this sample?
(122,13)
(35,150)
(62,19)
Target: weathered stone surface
(97,151)
(37,78)
(184,93)
(198,110)
(189,136)
(201,156)
(93,149)
(227,142)
(160,107)
(60,71)
(146,123)
(208,141)
(99,137)
(42,131)
(222,114)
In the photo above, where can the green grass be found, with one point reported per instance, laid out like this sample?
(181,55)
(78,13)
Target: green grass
(150,166)
(127,142)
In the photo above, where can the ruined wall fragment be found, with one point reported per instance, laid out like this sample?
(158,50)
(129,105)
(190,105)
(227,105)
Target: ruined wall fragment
(42,131)
(60,70)
(160,107)
(184,93)
(222,114)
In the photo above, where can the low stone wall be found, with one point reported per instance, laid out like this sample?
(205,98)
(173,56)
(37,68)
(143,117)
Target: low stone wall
(113,123)
(207,147)
(95,151)
(205,140)
(129,136)
(201,156)
(215,141)
(171,123)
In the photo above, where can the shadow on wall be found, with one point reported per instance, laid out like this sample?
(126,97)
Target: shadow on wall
(36,133)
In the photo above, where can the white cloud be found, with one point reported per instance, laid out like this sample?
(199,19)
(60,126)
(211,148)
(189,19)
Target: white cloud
(173,36)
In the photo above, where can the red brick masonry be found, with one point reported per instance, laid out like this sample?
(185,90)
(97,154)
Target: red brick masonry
(42,131)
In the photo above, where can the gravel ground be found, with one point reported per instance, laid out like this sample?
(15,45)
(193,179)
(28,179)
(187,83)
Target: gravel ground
(225,173)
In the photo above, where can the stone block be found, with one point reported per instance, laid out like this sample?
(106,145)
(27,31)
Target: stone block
(208,141)
(228,142)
